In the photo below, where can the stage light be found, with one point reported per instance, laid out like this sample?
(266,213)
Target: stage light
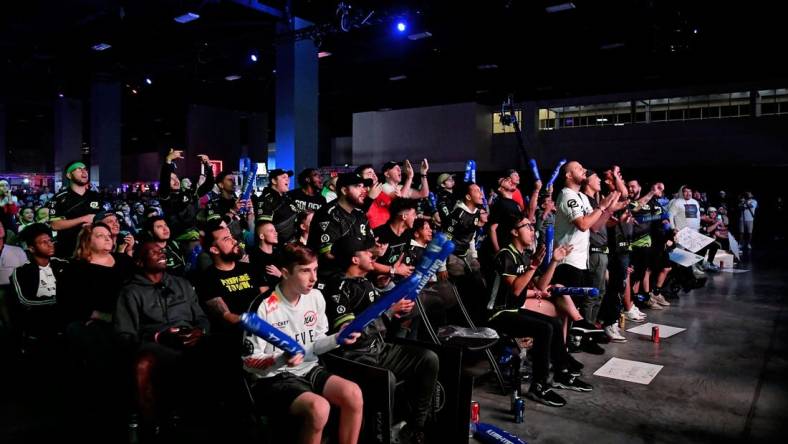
(101,46)
(253,58)
(26,181)
(148,81)
(60,95)
(322,54)
(558,8)
(232,77)
(188,17)
(401,26)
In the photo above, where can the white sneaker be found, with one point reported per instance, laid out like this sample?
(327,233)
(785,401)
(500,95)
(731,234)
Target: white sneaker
(634,315)
(613,332)
(659,299)
(653,305)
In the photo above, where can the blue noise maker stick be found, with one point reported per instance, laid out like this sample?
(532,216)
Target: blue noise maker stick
(534,169)
(257,326)
(469,166)
(549,238)
(436,253)
(473,171)
(433,201)
(251,177)
(555,173)
(401,290)
(489,434)
(575,291)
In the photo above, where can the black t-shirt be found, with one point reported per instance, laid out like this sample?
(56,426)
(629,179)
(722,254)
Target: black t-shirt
(305,202)
(509,262)
(396,244)
(345,298)
(461,228)
(279,209)
(237,287)
(446,203)
(69,205)
(259,260)
(90,287)
(330,224)
(506,213)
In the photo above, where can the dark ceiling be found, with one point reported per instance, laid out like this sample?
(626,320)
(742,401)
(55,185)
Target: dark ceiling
(478,51)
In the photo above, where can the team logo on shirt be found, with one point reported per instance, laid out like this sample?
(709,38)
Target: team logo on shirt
(371,296)
(310,318)
(94,205)
(325,238)
(340,309)
(572,203)
(363,229)
(520,269)
(324,225)
(336,298)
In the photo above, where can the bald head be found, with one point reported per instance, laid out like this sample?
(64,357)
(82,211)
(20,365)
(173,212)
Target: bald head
(575,174)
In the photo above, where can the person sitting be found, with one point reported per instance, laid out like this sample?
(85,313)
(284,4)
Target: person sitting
(36,284)
(350,294)
(299,385)
(157,229)
(517,311)
(160,323)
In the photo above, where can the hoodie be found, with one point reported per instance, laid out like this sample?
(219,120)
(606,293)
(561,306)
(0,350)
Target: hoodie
(145,308)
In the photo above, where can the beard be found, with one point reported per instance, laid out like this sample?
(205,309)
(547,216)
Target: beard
(234,256)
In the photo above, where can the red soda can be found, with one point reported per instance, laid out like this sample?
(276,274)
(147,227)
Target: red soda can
(475,411)
(655,334)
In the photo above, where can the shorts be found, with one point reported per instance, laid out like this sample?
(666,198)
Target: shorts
(276,394)
(570,276)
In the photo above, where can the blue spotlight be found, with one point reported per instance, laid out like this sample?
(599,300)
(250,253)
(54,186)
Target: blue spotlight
(401,26)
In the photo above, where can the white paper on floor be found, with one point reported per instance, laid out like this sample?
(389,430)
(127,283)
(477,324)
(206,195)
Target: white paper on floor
(630,371)
(733,270)
(665,331)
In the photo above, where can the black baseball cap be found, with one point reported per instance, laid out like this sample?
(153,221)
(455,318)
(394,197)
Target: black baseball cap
(390,164)
(347,179)
(345,248)
(278,172)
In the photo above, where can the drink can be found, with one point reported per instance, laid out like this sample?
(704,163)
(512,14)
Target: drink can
(513,401)
(519,411)
(655,334)
(475,413)
(622,321)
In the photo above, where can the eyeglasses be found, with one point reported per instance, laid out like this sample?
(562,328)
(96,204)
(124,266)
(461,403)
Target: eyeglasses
(526,225)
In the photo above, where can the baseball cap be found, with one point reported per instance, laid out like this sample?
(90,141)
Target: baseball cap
(278,172)
(345,248)
(390,164)
(347,179)
(444,177)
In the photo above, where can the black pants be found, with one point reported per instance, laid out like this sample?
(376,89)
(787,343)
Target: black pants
(548,334)
(612,302)
(418,367)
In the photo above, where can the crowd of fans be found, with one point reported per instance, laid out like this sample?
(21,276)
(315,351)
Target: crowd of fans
(140,285)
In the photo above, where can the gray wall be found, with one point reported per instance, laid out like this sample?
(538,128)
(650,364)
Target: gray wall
(447,135)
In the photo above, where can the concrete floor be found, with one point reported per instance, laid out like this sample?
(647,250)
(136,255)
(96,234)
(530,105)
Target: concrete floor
(723,378)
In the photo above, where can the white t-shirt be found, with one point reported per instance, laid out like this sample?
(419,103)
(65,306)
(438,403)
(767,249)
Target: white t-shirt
(305,322)
(684,213)
(11,258)
(47,284)
(748,215)
(571,205)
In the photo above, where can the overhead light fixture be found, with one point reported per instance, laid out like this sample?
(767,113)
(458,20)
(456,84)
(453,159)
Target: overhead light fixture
(560,7)
(232,77)
(253,57)
(322,54)
(487,66)
(60,95)
(420,35)
(148,81)
(188,17)
(618,124)
(399,77)
(601,119)
(101,46)
(611,46)
(402,26)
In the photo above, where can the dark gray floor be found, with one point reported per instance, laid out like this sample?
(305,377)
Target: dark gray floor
(724,378)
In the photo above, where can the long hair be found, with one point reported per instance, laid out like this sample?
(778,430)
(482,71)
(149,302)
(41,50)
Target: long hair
(82,251)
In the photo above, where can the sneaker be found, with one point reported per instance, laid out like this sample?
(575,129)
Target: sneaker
(585,327)
(614,333)
(634,315)
(589,346)
(652,304)
(543,393)
(659,299)
(568,382)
